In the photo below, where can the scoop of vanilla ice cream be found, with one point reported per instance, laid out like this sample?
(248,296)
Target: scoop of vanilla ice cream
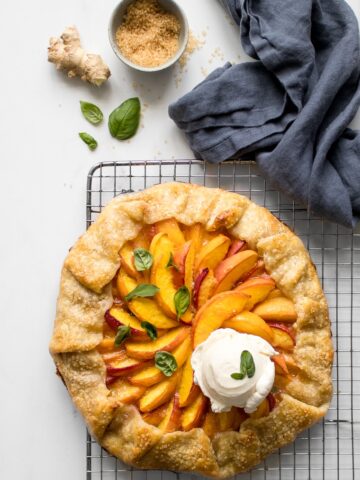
(214,361)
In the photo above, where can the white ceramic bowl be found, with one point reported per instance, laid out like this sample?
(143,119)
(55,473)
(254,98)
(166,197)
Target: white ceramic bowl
(169,5)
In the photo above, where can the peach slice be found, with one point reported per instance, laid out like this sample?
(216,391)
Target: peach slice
(206,288)
(107,331)
(283,336)
(214,313)
(236,247)
(193,414)
(114,356)
(167,343)
(162,276)
(124,366)
(189,267)
(194,233)
(172,230)
(256,271)
(281,381)
(180,255)
(151,375)
(124,392)
(144,308)
(210,424)
(272,402)
(226,420)
(197,285)
(171,421)
(109,380)
(188,391)
(147,377)
(232,269)
(185,261)
(213,252)
(124,318)
(262,410)
(111,322)
(292,366)
(177,278)
(159,237)
(240,417)
(156,416)
(274,294)
(221,422)
(258,288)
(106,345)
(127,260)
(279,309)
(145,237)
(280,364)
(158,394)
(231,420)
(207,236)
(248,322)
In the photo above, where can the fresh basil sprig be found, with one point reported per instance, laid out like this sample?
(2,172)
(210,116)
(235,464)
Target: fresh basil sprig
(124,120)
(171,263)
(166,363)
(247,366)
(142,259)
(91,112)
(151,330)
(181,301)
(122,334)
(142,290)
(89,140)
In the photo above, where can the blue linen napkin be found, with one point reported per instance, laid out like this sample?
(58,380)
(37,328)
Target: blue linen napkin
(290,108)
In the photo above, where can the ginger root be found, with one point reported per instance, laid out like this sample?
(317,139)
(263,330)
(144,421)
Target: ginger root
(67,54)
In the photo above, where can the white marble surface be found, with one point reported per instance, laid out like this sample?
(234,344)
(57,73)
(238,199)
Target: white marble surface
(42,197)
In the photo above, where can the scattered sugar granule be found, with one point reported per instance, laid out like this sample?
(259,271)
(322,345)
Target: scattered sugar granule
(193,44)
(217,53)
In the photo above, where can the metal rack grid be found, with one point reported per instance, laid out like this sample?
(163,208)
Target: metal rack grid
(331,449)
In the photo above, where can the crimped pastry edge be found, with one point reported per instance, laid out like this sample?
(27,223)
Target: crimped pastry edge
(85,295)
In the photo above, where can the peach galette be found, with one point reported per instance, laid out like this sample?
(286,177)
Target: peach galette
(192,332)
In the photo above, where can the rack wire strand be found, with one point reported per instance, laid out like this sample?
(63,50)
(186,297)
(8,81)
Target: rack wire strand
(329,450)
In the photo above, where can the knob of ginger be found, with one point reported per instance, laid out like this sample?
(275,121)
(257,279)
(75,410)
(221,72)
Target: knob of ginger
(67,53)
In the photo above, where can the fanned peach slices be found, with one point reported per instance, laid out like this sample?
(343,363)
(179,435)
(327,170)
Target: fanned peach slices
(176,284)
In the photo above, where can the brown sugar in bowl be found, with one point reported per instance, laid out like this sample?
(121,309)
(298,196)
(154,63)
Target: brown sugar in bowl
(160,50)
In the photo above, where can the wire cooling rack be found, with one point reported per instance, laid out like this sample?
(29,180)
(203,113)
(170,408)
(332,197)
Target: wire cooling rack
(331,449)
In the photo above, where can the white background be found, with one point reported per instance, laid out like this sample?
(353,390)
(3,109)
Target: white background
(42,199)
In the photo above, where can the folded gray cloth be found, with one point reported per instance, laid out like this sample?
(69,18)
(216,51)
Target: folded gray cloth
(289,109)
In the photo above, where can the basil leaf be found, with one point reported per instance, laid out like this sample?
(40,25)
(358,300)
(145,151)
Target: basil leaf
(181,301)
(166,363)
(91,112)
(247,363)
(247,366)
(123,333)
(124,120)
(142,259)
(151,330)
(89,140)
(142,290)
(171,263)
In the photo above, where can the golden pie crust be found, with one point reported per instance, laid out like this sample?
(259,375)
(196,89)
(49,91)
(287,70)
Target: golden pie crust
(85,295)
